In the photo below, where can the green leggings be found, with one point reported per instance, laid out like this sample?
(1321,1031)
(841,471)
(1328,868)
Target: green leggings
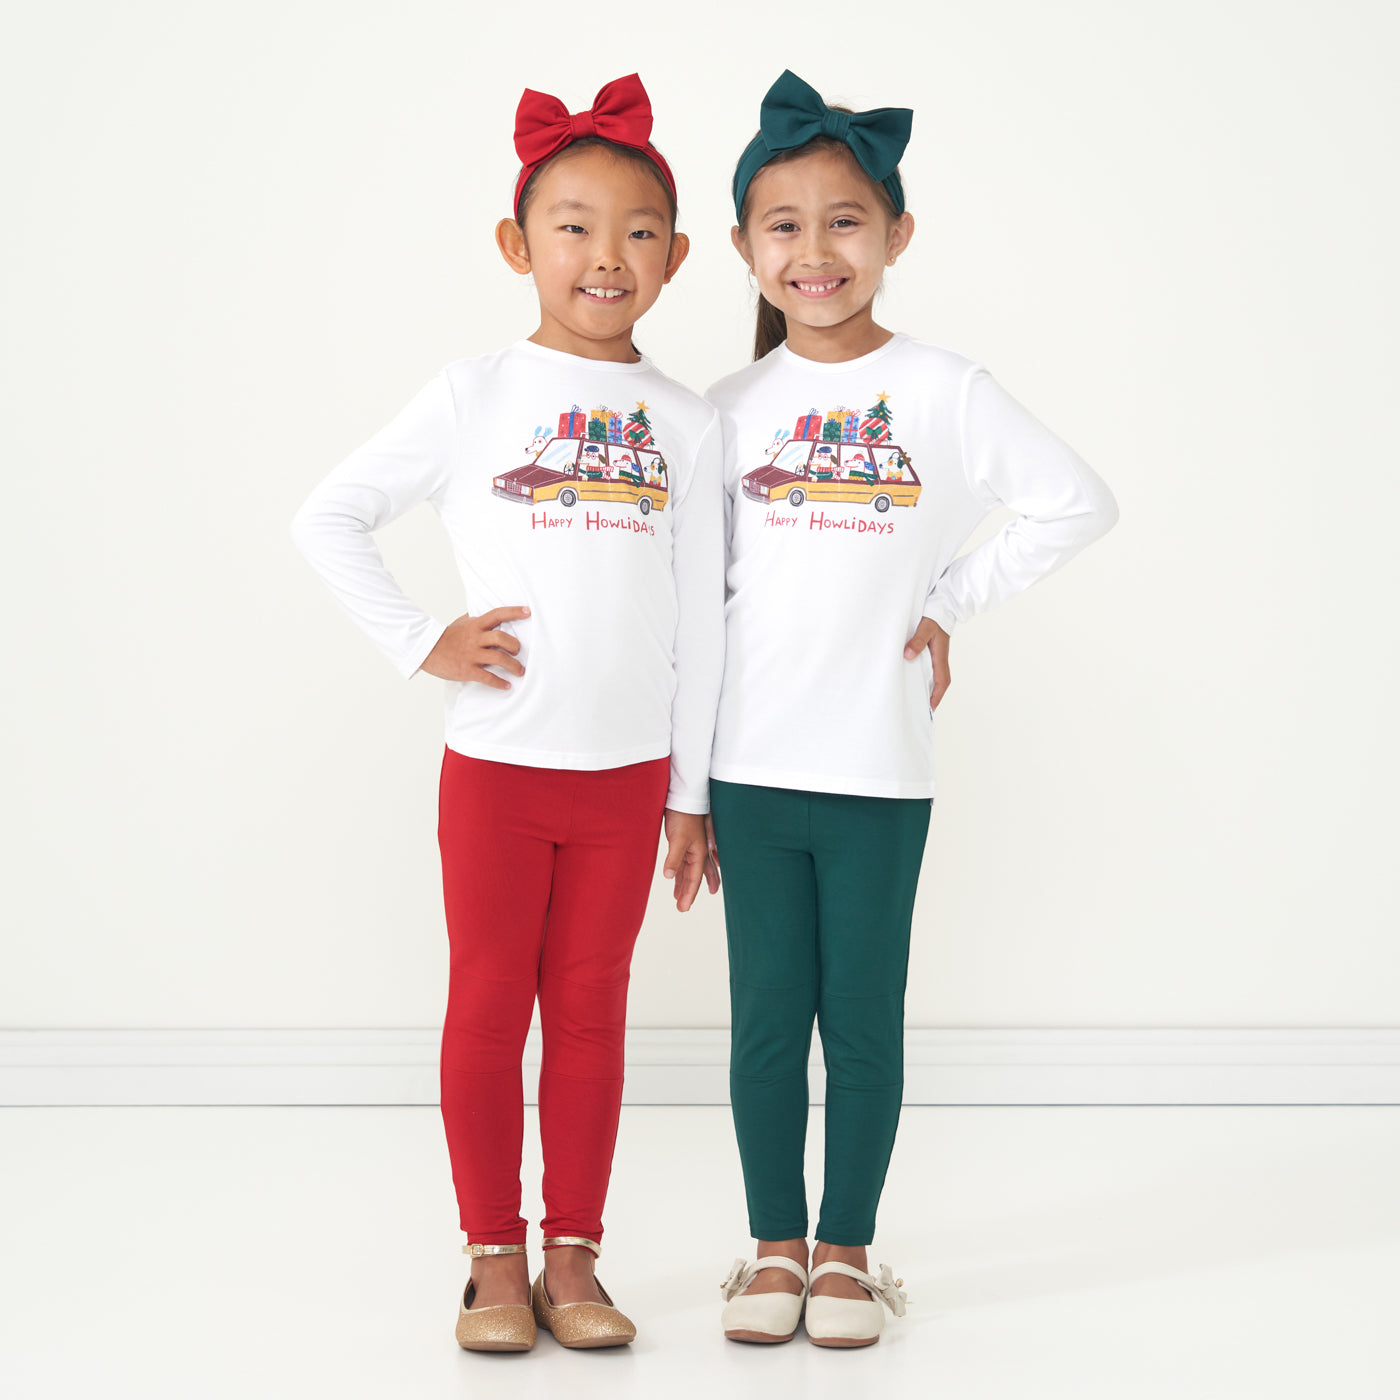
(818,898)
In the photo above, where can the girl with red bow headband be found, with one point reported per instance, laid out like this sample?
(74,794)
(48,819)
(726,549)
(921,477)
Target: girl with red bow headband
(582,684)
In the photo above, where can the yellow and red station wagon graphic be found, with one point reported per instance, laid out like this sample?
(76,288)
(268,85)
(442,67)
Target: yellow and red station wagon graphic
(601,458)
(840,458)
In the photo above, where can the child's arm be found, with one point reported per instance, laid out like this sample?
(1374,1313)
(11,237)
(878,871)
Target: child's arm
(406,462)
(1012,459)
(697,534)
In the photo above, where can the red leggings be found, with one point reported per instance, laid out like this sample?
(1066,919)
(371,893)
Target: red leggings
(545,875)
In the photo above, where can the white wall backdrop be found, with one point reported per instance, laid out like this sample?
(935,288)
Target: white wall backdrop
(240,236)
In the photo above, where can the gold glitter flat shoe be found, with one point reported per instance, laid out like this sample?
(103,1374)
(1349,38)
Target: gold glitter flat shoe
(580,1324)
(506,1327)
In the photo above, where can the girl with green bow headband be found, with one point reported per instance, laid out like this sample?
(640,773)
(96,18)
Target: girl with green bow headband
(796,125)
(858,461)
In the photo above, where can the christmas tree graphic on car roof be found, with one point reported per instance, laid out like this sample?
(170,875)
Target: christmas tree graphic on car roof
(594,456)
(839,457)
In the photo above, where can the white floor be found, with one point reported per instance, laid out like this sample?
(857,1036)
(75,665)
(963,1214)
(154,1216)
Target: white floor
(1130,1253)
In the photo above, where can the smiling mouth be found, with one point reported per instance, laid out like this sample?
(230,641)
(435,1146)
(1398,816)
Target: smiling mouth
(818,286)
(604,294)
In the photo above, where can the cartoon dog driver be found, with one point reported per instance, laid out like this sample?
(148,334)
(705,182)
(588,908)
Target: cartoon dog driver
(824,462)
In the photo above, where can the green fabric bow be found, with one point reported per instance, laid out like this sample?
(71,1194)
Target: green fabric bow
(792,113)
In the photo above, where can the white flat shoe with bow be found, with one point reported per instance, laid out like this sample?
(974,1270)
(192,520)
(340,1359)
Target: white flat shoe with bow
(853,1322)
(761,1317)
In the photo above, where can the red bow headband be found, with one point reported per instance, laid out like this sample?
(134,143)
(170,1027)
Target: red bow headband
(621,112)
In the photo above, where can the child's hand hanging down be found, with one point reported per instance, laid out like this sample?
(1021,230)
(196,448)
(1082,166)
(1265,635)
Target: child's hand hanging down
(471,644)
(712,857)
(687,856)
(932,636)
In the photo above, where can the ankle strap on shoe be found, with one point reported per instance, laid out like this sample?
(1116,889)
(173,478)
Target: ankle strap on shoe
(780,1261)
(741,1273)
(559,1241)
(477,1250)
(885,1288)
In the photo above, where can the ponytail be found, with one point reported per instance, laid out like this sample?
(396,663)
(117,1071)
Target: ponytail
(770,330)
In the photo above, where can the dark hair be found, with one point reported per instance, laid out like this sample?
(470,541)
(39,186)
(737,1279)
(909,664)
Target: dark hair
(630,154)
(770,328)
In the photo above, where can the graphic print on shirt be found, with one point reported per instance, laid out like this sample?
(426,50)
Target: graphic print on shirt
(840,457)
(597,456)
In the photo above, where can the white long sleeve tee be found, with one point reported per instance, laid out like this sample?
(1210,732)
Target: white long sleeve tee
(849,489)
(589,492)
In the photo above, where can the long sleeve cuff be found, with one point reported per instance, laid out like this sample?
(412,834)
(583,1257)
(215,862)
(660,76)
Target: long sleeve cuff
(941,611)
(694,799)
(412,661)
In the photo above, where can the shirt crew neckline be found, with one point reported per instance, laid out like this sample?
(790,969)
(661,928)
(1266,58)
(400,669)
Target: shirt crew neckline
(577,362)
(790,357)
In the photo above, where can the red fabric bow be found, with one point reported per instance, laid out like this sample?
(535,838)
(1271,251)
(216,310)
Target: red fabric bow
(621,112)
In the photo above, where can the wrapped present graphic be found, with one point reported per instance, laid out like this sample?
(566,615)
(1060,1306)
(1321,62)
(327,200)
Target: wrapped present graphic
(571,424)
(874,430)
(842,425)
(809,427)
(609,427)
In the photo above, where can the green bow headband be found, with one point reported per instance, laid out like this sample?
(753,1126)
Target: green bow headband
(792,113)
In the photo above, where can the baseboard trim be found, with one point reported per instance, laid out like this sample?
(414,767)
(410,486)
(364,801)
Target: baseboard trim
(135,1067)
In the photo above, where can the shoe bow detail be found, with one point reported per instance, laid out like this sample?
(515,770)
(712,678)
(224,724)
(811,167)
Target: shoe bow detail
(888,1287)
(741,1274)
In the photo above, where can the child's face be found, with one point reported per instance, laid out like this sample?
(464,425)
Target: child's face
(818,239)
(598,241)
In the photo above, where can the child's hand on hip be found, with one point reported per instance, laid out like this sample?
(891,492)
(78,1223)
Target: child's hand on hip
(471,644)
(687,855)
(932,636)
